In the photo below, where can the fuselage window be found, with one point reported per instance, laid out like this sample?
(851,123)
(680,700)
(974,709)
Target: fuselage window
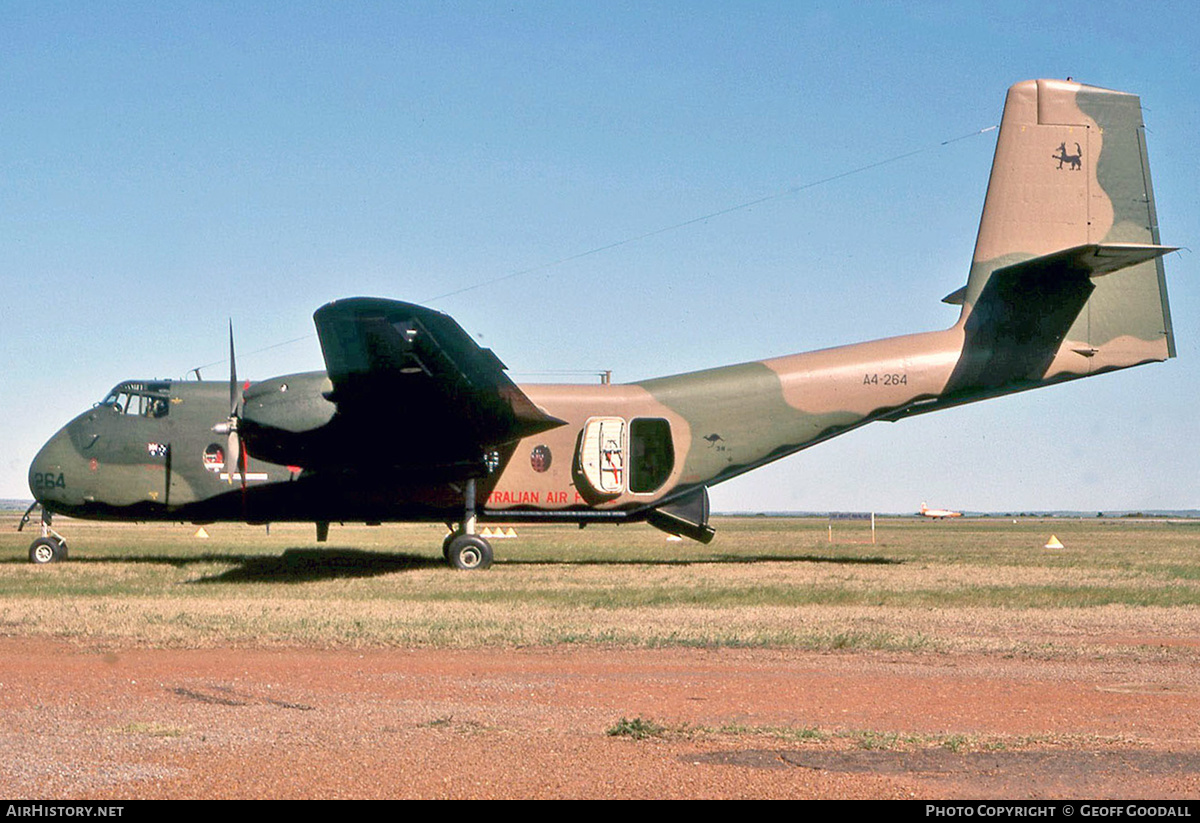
(651,454)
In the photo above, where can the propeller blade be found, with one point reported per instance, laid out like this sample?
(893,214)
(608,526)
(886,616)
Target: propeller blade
(233,444)
(232,454)
(235,396)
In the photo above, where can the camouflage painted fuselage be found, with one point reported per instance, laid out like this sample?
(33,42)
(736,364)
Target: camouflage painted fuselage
(1066,282)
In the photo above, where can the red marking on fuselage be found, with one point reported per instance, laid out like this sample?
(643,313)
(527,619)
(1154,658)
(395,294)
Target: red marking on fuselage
(513,497)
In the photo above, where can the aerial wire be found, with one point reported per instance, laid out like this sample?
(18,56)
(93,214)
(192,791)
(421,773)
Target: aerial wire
(779,195)
(223,362)
(788,192)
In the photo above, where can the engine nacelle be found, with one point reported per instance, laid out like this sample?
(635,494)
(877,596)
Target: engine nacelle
(284,419)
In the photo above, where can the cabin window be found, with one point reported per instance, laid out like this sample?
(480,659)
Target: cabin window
(651,454)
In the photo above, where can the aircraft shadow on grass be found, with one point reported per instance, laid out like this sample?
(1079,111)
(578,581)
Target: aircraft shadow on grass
(729,559)
(304,565)
(293,566)
(307,565)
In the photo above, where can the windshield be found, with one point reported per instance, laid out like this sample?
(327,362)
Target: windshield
(141,399)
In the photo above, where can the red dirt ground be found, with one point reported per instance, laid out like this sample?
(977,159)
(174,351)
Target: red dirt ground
(86,722)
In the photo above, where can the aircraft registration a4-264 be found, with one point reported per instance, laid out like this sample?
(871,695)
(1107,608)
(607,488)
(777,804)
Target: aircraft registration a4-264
(412,421)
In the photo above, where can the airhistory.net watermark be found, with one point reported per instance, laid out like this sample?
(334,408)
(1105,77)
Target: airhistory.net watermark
(1106,810)
(61,810)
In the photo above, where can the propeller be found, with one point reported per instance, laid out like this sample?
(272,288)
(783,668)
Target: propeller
(235,455)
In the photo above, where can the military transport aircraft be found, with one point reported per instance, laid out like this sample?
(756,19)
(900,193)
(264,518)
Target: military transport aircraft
(411,420)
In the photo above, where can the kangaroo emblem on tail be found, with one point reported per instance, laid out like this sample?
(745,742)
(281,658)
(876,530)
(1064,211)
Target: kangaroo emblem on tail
(1075,160)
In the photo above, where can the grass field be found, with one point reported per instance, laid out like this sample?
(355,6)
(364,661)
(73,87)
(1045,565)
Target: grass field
(1119,587)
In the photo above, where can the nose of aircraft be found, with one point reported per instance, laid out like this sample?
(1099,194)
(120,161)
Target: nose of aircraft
(52,471)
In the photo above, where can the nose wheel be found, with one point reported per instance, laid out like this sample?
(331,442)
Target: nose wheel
(47,550)
(51,547)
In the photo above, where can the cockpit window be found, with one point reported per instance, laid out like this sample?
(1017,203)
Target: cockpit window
(125,400)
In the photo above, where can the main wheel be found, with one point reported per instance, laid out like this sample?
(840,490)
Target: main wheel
(469,552)
(47,550)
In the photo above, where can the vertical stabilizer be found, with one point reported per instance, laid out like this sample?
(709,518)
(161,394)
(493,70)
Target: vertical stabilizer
(1071,171)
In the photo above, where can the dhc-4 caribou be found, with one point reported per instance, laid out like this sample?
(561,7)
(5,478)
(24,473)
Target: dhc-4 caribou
(412,421)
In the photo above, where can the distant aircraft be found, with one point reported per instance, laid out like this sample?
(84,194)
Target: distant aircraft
(411,420)
(938,514)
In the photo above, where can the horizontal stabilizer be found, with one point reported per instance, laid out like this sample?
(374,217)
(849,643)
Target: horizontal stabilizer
(1095,260)
(1026,309)
(955,298)
(1092,260)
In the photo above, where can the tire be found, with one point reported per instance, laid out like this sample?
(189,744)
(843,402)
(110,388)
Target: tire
(469,552)
(47,550)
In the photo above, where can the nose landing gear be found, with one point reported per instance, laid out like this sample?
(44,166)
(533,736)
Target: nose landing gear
(51,547)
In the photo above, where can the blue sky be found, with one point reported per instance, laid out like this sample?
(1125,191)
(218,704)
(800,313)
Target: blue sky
(167,166)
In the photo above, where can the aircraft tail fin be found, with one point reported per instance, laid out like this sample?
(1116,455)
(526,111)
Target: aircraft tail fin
(1067,276)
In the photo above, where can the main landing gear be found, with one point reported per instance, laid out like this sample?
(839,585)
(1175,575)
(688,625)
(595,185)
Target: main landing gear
(51,547)
(463,548)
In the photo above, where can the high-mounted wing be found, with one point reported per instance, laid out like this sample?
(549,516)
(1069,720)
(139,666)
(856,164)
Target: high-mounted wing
(410,381)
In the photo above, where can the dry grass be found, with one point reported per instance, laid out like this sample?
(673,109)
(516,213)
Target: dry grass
(1118,588)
